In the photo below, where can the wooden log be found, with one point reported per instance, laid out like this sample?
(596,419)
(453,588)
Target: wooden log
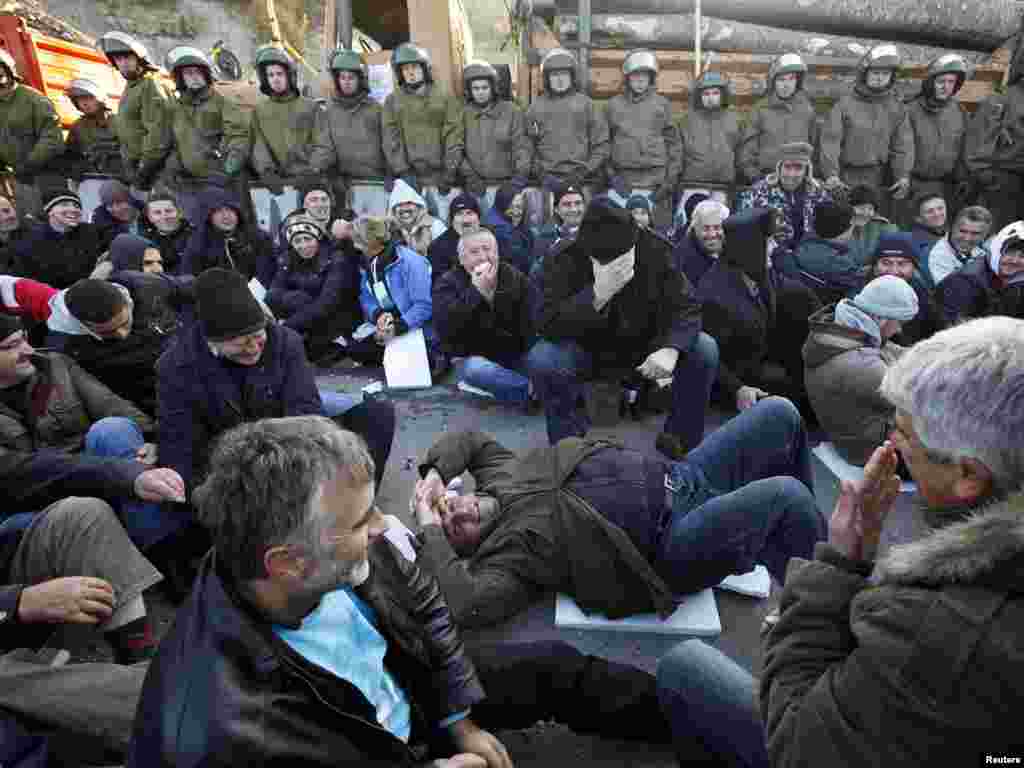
(677,32)
(976,25)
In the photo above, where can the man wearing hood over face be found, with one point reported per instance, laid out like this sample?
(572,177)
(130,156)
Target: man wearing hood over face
(422,129)
(223,238)
(991,284)
(282,125)
(786,116)
(613,306)
(755,314)
(646,151)
(211,135)
(867,138)
(994,148)
(568,134)
(938,124)
(711,139)
(347,143)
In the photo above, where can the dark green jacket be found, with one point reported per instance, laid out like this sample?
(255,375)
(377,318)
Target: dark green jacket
(919,666)
(348,139)
(646,149)
(867,130)
(496,147)
(142,121)
(282,131)
(30,136)
(545,538)
(423,134)
(938,138)
(207,129)
(775,122)
(92,145)
(569,137)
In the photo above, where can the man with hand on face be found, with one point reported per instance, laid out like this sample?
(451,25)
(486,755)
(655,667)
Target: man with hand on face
(785,117)
(30,137)
(482,314)
(423,134)
(613,306)
(646,150)
(347,142)
(867,138)
(939,125)
(990,284)
(618,531)
(281,127)
(963,243)
(569,137)
(143,125)
(911,656)
(497,149)
(211,136)
(791,189)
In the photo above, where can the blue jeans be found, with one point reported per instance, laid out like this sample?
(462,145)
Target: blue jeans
(508,385)
(559,369)
(146,522)
(336,403)
(743,496)
(709,698)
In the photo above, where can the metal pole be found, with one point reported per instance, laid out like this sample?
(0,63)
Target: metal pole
(585,30)
(696,39)
(343,23)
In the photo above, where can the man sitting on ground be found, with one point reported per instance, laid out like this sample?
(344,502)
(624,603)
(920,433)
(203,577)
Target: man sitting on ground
(915,658)
(929,225)
(330,648)
(703,242)
(443,253)
(62,248)
(482,314)
(895,255)
(830,261)
(846,356)
(613,306)
(619,532)
(72,565)
(990,284)
(963,243)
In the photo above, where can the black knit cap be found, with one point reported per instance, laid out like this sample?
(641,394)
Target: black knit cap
(464,202)
(94,301)
(59,195)
(227,308)
(607,231)
(9,324)
(862,194)
(831,219)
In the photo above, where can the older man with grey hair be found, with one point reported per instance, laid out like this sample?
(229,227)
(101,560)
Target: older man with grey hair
(309,641)
(916,658)
(482,312)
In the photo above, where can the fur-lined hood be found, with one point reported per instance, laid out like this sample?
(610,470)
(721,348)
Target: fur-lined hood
(986,549)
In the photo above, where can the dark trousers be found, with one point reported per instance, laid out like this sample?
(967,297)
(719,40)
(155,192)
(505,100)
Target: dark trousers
(559,370)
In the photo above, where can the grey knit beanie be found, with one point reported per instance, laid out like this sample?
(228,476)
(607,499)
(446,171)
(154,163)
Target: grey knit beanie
(888,297)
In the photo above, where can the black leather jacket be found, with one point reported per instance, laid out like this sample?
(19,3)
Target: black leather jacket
(225,691)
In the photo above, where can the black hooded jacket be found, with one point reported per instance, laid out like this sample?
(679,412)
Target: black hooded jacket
(247,250)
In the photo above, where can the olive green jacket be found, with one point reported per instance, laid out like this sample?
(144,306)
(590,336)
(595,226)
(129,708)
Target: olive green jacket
(92,145)
(207,129)
(30,135)
(142,122)
(282,132)
(423,134)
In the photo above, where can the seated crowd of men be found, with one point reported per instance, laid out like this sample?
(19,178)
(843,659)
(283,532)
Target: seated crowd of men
(160,418)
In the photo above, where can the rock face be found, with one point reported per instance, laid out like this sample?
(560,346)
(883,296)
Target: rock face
(40,20)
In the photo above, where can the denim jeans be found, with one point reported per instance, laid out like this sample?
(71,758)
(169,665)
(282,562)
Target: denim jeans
(709,698)
(146,522)
(508,385)
(744,496)
(559,369)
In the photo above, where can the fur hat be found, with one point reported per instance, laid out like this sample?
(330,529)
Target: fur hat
(796,150)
